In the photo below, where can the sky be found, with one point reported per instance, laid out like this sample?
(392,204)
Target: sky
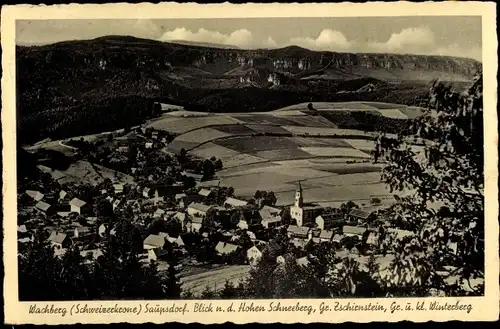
(422,35)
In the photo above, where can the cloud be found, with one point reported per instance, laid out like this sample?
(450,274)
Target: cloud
(326,40)
(419,40)
(241,38)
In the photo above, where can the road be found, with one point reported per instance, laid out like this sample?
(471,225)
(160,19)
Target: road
(215,279)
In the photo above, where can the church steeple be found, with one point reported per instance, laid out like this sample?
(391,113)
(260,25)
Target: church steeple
(299,201)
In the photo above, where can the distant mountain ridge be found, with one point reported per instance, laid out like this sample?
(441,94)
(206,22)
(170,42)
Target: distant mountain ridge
(90,78)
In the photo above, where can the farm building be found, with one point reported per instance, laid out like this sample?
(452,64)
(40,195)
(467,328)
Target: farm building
(35,195)
(223,248)
(271,217)
(234,203)
(300,232)
(79,206)
(59,240)
(361,215)
(330,220)
(353,231)
(325,236)
(154,241)
(198,209)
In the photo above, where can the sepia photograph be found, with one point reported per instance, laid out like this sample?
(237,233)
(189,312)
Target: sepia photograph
(249,159)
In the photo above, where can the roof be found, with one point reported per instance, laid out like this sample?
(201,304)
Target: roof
(337,237)
(57,237)
(400,234)
(155,240)
(82,229)
(77,202)
(226,248)
(159,252)
(179,196)
(42,205)
(331,215)
(302,230)
(353,229)
(360,213)
(57,175)
(235,202)
(270,214)
(22,228)
(196,220)
(62,194)
(326,234)
(199,207)
(180,216)
(37,195)
(159,212)
(259,247)
(118,186)
(205,192)
(251,235)
(299,243)
(94,252)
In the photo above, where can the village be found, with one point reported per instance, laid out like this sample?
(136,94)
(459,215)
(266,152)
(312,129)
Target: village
(170,201)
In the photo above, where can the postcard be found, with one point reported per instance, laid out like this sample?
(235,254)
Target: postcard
(290,163)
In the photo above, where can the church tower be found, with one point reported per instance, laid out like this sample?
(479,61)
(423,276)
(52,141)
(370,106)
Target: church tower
(297,211)
(299,200)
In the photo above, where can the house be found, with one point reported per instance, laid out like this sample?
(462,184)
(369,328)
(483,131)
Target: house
(198,209)
(373,238)
(154,241)
(79,206)
(330,220)
(337,238)
(303,214)
(188,199)
(159,213)
(197,177)
(254,254)
(81,232)
(22,229)
(195,224)
(301,232)
(303,261)
(148,145)
(361,215)
(157,254)
(35,195)
(62,195)
(179,196)
(242,224)
(234,203)
(104,191)
(251,235)
(181,218)
(175,241)
(122,149)
(353,230)
(147,192)
(103,228)
(299,243)
(59,240)
(116,203)
(271,217)
(110,199)
(205,192)
(118,188)
(325,236)
(44,208)
(224,248)
(90,256)
(91,220)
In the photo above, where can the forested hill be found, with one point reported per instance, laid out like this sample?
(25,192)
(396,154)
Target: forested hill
(94,85)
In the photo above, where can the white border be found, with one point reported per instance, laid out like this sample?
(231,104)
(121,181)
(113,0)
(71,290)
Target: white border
(484,308)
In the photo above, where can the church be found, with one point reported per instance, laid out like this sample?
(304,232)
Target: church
(304,213)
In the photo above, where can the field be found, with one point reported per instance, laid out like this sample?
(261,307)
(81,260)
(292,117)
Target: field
(274,151)
(216,278)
